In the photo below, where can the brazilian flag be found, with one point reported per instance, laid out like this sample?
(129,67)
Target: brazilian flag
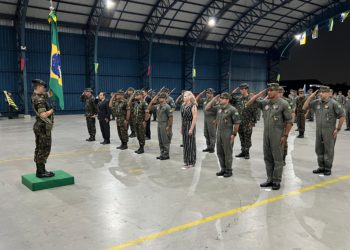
(56,86)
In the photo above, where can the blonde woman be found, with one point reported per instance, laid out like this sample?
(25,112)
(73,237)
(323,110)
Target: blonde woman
(188,129)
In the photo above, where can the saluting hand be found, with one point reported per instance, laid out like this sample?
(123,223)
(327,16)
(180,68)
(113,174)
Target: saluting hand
(232,139)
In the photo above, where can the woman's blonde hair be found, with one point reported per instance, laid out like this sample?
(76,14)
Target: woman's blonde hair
(192,98)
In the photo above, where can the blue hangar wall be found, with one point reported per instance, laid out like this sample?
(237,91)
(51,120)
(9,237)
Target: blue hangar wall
(118,65)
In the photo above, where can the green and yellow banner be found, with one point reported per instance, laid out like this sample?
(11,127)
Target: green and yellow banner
(55,83)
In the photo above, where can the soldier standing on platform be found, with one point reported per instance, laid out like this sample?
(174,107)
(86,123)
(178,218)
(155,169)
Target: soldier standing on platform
(209,119)
(248,116)
(327,112)
(277,124)
(90,112)
(141,117)
(42,127)
(119,107)
(228,122)
(165,124)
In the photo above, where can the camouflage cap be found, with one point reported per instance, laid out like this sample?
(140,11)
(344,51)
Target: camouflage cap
(138,92)
(301,90)
(88,90)
(119,92)
(166,90)
(280,89)
(163,95)
(37,82)
(225,95)
(130,89)
(210,90)
(273,86)
(325,89)
(244,86)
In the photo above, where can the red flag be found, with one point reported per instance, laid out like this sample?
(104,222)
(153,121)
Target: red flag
(149,70)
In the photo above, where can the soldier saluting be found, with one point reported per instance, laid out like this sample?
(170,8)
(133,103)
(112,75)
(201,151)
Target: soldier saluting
(42,127)
(90,112)
(327,112)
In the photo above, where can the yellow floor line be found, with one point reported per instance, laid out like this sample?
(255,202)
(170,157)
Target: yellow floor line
(227,213)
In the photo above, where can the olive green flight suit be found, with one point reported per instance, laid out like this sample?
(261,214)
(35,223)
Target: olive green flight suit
(326,112)
(276,115)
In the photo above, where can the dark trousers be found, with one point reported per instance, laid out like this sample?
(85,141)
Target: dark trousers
(105,130)
(148,129)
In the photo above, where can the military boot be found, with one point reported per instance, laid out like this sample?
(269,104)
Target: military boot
(124,146)
(41,171)
(242,154)
(301,135)
(132,135)
(246,155)
(140,150)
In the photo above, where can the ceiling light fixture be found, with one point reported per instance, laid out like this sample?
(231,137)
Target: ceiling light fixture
(212,21)
(110,4)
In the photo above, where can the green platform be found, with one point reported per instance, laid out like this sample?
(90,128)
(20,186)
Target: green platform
(60,179)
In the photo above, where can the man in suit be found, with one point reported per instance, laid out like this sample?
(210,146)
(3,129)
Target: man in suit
(104,115)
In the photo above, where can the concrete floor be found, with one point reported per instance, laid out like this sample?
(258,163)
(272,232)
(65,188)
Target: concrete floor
(120,196)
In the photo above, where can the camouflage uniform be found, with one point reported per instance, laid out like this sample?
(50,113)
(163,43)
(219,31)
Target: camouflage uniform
(347,111)
(132,121)
(140,109)
(119,109)
(248,117)
(300,115)
(90,111)
(42,130)
(292,110)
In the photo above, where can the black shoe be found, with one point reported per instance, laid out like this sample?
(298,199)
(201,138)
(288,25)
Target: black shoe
(221,173)
(119,147)
(300,136)
(206,150)
(318,171)
(247,156)
(103,142)
(147,138)
(266,184)
(347,129)
(132,135)
(297,129)
(181,146)
(211,151)
(276,186)
(327,172)
(91,139)
(226,175)
(162,158)
(124,146)
(240,155)
(158,157)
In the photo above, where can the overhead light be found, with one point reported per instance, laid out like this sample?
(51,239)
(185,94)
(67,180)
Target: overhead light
(298,37)
(212,21)
(109,4)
